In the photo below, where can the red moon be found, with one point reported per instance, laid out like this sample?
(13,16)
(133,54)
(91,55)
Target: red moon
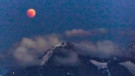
(31,13)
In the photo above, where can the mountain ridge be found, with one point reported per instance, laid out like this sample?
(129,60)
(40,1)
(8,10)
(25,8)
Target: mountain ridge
(63,60)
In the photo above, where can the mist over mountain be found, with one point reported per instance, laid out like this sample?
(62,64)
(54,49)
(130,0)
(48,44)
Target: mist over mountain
(65,59)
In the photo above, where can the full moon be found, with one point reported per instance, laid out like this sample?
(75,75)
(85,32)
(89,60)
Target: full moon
(31,13)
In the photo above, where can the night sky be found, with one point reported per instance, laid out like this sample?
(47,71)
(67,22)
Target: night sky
(59,16)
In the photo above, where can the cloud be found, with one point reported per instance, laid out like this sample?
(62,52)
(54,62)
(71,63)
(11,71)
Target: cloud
(30,49)
(130,66)
(78,32)
(28,52)
(81,32)
(103,49)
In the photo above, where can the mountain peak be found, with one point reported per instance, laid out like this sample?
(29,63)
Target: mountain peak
(63,44)
(59,49)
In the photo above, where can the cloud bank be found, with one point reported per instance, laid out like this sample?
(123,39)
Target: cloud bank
(28,51)
(78,32)
(81,32)
(102,49)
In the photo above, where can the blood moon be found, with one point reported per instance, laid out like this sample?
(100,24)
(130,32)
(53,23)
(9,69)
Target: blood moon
(31,13)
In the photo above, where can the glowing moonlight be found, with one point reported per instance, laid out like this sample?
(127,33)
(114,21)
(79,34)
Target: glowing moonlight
(31,13)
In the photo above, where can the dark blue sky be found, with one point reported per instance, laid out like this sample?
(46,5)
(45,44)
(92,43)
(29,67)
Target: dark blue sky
(60,15)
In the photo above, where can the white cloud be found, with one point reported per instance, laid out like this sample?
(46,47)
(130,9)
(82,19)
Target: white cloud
(78,32)
(104,48)
(30,49)
(81,32)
